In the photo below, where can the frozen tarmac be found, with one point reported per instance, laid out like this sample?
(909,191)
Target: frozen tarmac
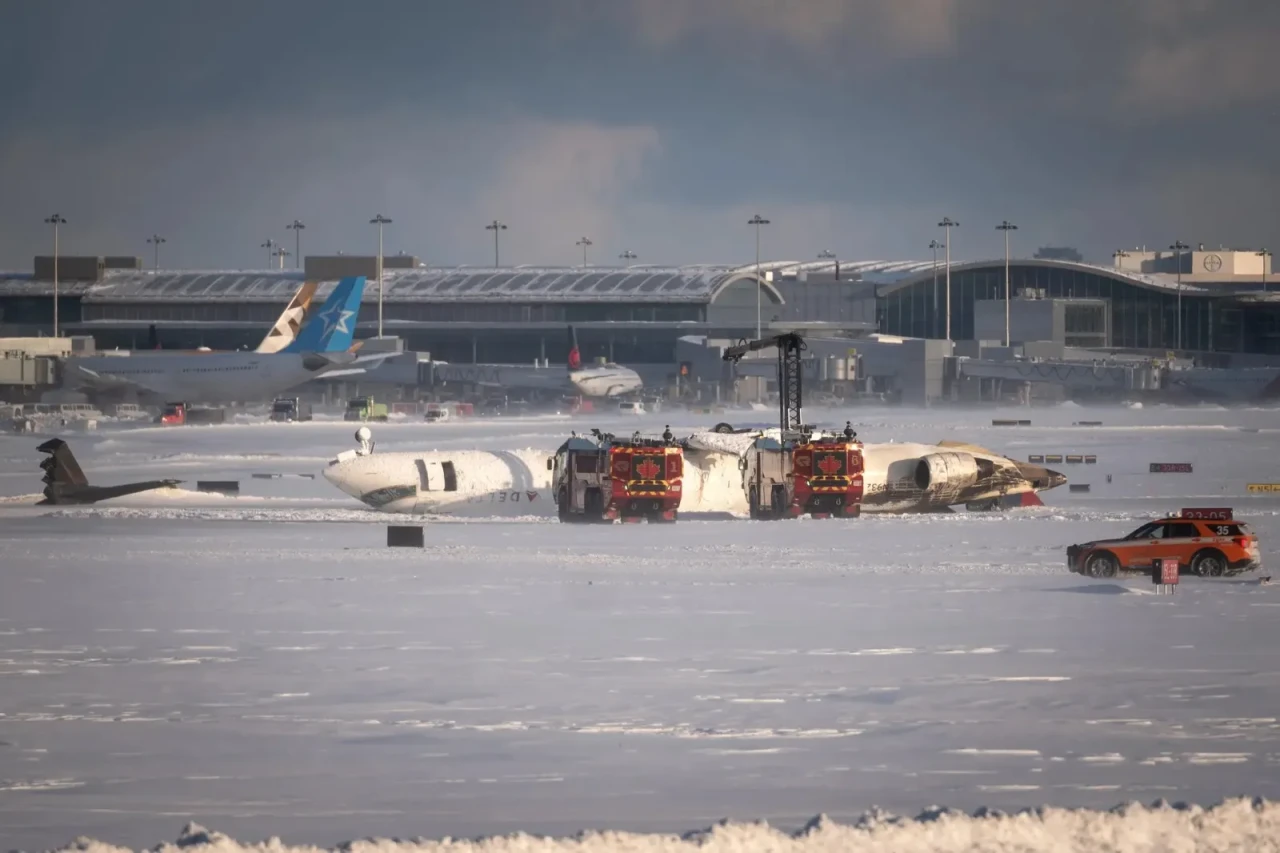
(266,666)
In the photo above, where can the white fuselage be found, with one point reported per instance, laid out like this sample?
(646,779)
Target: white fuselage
(609,380)
(206,377)
(517,483)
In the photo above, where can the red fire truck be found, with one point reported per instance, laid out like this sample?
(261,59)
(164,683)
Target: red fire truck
(606,478)
(827,476)
(804,474)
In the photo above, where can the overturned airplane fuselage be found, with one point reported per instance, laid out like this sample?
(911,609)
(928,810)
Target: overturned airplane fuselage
(898,478)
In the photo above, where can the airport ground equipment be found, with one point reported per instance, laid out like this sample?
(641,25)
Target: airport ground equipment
(802,472)
(290,409)
(606,478)
(182,414)
(65,482)
(365,409)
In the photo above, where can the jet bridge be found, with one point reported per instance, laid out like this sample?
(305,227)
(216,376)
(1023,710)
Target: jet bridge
(1071,375)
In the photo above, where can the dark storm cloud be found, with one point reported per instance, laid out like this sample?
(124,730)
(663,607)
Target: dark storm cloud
(655,125)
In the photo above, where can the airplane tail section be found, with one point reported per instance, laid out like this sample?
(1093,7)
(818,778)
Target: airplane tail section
(575,356)
(62,472)
(286,328)
(65,482)
(332,328)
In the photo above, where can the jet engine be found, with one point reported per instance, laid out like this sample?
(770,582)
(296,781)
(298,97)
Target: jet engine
(948,472)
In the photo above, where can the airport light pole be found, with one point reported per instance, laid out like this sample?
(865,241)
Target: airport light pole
(584,243)
(1266,262)
(156,240)
(1006,227)
(935,246)
(948,223)
(1117,255)
(270,246)
(628,255)
(379,220)
(1178,247)
(495,226)
(297,226)
(826,255)
(55,221)
(282,253)
(757,221)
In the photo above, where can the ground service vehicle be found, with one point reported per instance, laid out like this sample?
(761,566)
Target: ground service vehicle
(817,475)
(1208,542)
(290,409)
(802,471)
(604,478)
(364,409)
(180,414)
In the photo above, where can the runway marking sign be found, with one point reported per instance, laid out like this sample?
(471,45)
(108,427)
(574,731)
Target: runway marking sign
(1170,468)
(1258,488)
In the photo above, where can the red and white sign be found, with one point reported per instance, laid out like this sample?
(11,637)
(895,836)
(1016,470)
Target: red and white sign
(1208,513)
(1168,572)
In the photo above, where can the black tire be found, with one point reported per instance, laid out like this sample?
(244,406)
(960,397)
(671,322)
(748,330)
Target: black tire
(753,502)
(562,507)
(1209,564)
(724,428)
(593,507)
(1101,564)
(778,501)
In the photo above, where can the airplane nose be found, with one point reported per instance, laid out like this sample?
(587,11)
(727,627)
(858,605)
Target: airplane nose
(1055,479)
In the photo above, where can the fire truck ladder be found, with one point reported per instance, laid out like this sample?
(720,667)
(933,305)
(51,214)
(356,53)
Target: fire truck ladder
(789,347)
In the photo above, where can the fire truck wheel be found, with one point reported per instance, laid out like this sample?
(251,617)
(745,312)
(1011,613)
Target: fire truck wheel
(1209,564)
(562,507)
(660,518)
(593,507)
(753,502)
(778,501)
(1101,565)
(724,428)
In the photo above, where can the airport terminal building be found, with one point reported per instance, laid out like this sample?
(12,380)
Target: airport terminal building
(1213,305)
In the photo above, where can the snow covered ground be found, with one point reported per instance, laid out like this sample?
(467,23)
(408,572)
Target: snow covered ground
(266,666)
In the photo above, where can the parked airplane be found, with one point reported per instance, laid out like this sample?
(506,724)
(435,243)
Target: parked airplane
(67,484)
(600,380)
(898,478)
(323,347)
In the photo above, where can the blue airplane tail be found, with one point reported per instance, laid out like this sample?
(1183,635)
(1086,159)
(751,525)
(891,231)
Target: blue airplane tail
(333,327)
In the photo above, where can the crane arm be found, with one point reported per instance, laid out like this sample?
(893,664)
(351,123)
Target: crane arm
(789,345)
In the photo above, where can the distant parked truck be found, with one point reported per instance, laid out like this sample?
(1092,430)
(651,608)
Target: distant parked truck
(365,409)
(290,409)
(180,414)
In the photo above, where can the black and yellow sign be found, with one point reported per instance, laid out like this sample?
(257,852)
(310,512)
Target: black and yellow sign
(1255,488)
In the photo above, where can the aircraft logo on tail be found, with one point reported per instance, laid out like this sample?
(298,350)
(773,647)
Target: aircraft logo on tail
(332,328)
(575,357)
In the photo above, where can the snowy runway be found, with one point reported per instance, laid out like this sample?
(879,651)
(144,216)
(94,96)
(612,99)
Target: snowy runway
(264,665)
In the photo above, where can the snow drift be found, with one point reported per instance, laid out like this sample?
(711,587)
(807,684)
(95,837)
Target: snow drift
(1234,825)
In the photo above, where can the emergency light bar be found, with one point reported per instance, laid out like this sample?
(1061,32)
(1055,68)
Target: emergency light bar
(1207,514)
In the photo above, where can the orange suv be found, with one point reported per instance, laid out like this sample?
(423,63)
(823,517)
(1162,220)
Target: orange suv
(1205,542)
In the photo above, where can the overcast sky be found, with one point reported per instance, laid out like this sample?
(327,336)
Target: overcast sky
(658,126)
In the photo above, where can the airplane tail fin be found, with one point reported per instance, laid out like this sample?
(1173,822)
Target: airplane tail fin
(61,470)
(286,328)
(575,356)
(332,328)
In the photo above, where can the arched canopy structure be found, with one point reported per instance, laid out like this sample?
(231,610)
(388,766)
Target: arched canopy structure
(1143,308)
